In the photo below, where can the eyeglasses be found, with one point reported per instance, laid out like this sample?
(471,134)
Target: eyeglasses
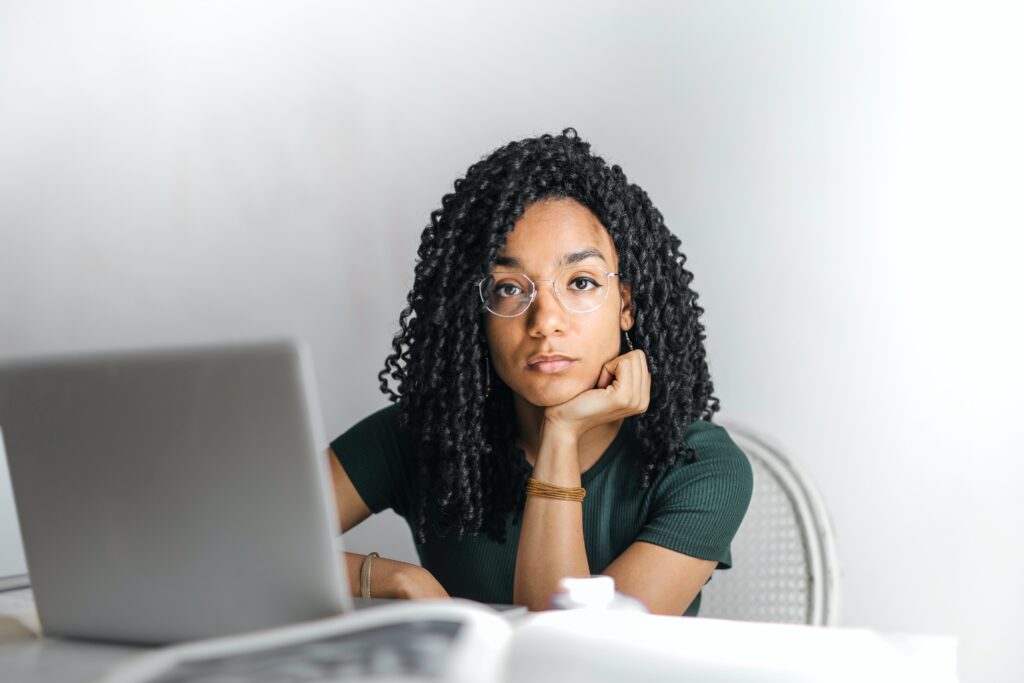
(579,289)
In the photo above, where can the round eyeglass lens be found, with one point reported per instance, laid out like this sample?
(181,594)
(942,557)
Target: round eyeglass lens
(506,294)
(582,289)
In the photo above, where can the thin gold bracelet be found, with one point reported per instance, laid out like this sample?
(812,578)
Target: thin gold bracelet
(364,575)
(539,488)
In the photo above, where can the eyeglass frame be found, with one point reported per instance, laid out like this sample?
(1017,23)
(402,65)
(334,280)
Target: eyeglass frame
(533,294)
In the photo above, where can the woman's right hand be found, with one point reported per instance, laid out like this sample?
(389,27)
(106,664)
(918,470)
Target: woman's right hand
(623,390)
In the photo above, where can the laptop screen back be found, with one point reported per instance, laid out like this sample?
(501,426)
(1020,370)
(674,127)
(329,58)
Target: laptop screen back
(174,494)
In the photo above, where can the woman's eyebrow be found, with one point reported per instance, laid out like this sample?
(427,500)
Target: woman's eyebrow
(582,255)
(508,262)
(567,260)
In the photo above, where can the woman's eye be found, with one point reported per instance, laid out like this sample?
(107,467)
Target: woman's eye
(580,284)
(506,290)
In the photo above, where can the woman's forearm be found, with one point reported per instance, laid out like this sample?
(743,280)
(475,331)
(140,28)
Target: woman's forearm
(551,540)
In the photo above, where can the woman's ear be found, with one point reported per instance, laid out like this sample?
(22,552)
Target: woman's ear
(626,310)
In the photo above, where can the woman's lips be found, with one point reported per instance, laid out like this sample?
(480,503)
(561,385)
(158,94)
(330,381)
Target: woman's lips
(550,366)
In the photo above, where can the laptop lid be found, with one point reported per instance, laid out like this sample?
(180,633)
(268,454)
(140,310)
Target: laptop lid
(172,494)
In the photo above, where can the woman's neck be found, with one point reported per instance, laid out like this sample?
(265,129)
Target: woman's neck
(591,446)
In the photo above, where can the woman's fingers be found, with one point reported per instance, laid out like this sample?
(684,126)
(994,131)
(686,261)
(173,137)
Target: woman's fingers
(630,383)
(639,382)
(606,377)
(623,383)
(622,390)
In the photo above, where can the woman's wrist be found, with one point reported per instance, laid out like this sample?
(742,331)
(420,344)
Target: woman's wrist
(558,460)
(388,578)
(559,433)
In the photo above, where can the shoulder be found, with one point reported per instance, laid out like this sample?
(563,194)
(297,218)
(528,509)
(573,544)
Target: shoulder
(720,469)
(698,503)
(712,441)
(374,454)
(385,417)
(377,434)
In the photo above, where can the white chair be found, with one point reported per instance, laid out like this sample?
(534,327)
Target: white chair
(785,565)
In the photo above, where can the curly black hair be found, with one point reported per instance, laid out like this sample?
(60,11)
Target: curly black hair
(472,475)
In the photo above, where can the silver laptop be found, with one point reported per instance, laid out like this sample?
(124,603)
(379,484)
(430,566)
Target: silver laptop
(172,495)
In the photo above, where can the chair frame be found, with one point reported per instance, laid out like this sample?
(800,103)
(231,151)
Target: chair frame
(814,523)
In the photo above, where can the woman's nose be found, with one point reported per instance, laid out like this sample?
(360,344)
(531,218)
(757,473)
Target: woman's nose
(546,315)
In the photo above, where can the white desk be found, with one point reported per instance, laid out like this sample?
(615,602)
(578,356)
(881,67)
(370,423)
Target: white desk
(591,647)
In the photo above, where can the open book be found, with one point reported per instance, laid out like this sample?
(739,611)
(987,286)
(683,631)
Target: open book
(463,641)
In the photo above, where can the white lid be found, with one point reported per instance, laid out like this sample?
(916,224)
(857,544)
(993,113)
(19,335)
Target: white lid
(591,591)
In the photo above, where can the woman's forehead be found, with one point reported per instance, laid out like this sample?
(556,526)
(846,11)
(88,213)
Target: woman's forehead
(557,233)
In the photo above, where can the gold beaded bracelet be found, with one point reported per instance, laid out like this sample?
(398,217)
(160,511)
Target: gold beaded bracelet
(539,488)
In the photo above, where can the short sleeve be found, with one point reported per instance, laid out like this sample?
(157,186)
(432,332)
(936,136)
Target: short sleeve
(371,452)
(698,505)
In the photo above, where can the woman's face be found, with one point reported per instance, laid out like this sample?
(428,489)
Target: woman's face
(543,242)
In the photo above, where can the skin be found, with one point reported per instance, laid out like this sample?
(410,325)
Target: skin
(545,234)
(566,421)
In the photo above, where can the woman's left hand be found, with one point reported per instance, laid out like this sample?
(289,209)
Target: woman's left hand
(623,390)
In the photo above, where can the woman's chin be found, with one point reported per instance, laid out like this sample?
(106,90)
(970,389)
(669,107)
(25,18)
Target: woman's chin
(552,393)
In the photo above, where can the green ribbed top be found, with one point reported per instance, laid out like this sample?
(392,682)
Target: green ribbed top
(693,507)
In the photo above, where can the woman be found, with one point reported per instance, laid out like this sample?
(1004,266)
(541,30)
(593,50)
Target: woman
(552,400)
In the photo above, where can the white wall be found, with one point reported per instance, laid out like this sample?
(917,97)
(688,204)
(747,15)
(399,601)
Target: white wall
(846,181)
